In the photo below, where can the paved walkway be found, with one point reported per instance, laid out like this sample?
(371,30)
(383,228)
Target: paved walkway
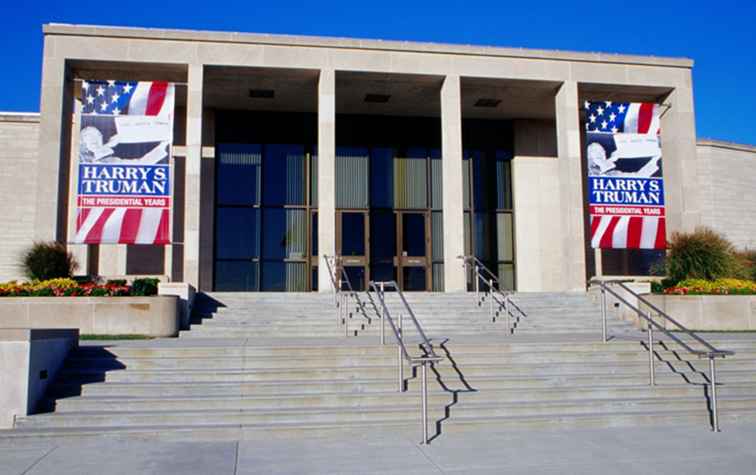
(662,450)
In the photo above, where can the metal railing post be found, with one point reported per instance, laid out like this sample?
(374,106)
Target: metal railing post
(477,281)
(713,383)
(506,313)
(399,356)
(603,313)
(424,396)
(383,315)
(490,293)
(346,315)
(651,366)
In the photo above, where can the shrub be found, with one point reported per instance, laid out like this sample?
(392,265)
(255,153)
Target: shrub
(702,254)
(746,263)
(145,287)
(116,282)
(48,260)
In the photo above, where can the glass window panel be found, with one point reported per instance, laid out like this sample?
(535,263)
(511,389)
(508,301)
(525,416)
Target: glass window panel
(468,241)
(383,272)
(273,277)
(314,232)
(296,276)
(283,175)
(237,233)
(382,178)
(413,234)
(484,181)
(506,276)
(438,277)
(314,278)
(351,177)
(504,237)
(238,174)
(145,259)
(503,180)
(411,179)
(414,278)
(466,179)
(352,234)
(485,236)
(284,233)
(236,276)
(382,236)
(437,236)
(314,179)
(437,184)
(356,277)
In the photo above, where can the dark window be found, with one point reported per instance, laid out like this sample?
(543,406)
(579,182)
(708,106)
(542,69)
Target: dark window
(352,234)
(314,231)
(236,276)
(283,175)
(382,236)
(356,277)
(237,233)
(239,174)
(414,278)
(382,178)
(413,234)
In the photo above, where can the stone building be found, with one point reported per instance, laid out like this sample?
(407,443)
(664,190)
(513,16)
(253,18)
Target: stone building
(398,156)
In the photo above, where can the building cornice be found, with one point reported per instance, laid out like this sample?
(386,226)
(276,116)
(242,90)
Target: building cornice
(728,145)
(351,43)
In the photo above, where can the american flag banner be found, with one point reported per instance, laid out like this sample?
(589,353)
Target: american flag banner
(124,173)
(625,184)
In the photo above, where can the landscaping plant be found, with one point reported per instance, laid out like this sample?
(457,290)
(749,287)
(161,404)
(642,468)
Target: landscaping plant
(48,260)
(702,254)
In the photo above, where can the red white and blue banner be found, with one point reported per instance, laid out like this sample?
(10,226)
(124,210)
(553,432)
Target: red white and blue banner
(625,184)
(124,172)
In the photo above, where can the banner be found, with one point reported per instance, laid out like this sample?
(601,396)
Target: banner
(625,184)
(124,173)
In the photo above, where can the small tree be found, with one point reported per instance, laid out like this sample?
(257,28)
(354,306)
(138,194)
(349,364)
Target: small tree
(48,260)
(702,254)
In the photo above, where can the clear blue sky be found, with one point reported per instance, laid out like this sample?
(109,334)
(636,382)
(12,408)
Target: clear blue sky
(719,35)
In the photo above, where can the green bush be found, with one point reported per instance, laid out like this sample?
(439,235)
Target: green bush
(48,260)
(145,287)
(746,261)
(116,282)
(702,254)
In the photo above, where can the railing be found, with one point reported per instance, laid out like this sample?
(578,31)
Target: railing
(339,278)
(709,350)
(498,299)
(429,356)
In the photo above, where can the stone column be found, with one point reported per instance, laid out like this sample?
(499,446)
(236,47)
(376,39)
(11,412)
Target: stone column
(570,188)
(56,107)
(452,202)
(681,191)
(326,174)
(192,183)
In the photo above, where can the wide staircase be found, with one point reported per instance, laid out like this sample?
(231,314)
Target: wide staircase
(295,362)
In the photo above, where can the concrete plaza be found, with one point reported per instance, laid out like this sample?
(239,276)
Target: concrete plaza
(681,449)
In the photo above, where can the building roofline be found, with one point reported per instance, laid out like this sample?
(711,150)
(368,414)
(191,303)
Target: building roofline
(728,145)
(63,29)
(19,116)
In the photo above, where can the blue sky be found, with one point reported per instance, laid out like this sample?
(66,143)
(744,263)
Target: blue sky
(719,35)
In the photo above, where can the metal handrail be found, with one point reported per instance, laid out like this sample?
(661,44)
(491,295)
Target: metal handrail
(430,356)
(340,300)
(504,299)
(711,352)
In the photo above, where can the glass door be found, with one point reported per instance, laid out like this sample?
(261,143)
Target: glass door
(352,246)
(413,241)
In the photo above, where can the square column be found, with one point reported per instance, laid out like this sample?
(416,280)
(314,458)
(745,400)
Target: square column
(678,136)
(326,174)
(451,175)
(56,109)
(193,166)
(570,188)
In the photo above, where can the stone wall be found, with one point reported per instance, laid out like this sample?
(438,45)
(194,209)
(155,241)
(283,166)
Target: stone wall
(18,165)
(728,182)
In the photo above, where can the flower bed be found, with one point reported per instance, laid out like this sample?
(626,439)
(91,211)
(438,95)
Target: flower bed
(71,288)
(712,287)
